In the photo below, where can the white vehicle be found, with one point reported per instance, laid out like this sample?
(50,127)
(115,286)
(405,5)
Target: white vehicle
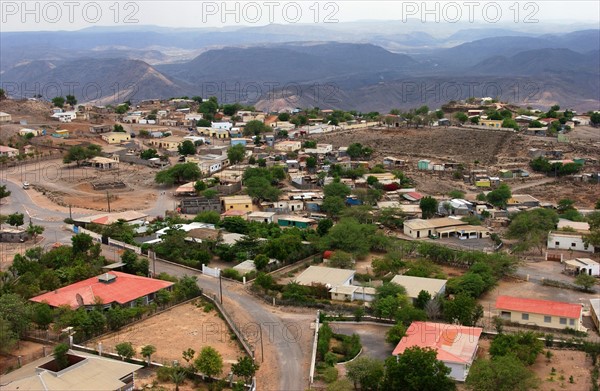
(25,185)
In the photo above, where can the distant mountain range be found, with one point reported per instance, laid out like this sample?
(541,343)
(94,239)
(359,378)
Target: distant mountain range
(278,66)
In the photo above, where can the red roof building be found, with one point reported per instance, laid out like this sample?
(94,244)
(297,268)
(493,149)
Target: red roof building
(540,313)
(456,345)
(108,288)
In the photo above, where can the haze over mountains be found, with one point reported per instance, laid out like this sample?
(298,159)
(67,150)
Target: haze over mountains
(281,66)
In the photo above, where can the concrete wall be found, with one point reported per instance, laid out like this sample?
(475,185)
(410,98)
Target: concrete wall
(457,371)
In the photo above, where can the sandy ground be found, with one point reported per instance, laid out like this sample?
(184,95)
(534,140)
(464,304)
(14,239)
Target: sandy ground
(69,185)
(172,332)
(29,351)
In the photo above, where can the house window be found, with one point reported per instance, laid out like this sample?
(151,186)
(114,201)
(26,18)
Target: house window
(505,315)
(573,244)
(524,316)
(547,319)
(572,322)
(556,243)
(563,320)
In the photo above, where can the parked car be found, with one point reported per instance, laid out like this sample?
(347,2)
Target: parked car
(25,185)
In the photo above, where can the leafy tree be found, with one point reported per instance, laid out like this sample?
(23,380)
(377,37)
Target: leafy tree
(118,128)
(365,372)
(525,346)
(261,261)
(147,352)
(177,376)
(510,123)
(35,230)
(2,94)
(358,151)
(333,205)
(416,370)
(255,127)
(209,362)
(595,119)
(461,117)
(186,148)
(210,217)
(429,207)
(78,154)
(125,350)
(351,236)
(60,355)
(283,117)
(3,192)
(231,109)
(8,338)
(311,162)
(210,193)
(585,281)
(149,154)
(395,333)
(42,315)
(535,124)
(531,228)
(179,173)
(245,368)
(336,189)
(15,219)
(500,196)
(341,260)
(58,101)
(456,194)
(324,226)
(236,153)
(340,385)
(203,123)
(504,373)
(463,309)
(422,299)
(309,144)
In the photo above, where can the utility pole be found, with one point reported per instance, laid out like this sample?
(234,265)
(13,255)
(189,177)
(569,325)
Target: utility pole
(220,287)
(108,200)
(262,349)
(70,215)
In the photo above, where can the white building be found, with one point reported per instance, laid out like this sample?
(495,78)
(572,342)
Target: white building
(568,241)
(583,266)
(221,125)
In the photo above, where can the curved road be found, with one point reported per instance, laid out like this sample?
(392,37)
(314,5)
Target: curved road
(247,311)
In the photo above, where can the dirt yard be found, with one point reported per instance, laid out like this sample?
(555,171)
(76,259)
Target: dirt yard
(565,362)
(70,185)
(29,351)
(585,195)
(172,332)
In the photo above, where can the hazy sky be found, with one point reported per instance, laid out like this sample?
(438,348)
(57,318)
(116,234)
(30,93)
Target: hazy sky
(73,15)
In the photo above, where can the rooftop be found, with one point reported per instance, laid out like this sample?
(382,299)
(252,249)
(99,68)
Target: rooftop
(576,225)
(121,289)
(109,218)
(93,373)
(295,218)
(414,285)
(442,222)
(328,276)
(534,306)
(453,343)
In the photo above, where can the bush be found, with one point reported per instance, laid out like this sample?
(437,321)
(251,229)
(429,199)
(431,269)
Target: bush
(163,374)
(231,273)
(330,375)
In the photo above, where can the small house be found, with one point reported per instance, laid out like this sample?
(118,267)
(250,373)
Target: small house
(294,221)
(328,276)
(583,266)
(540,313)
(424,164)
(414,285)
(261,217)
(5,117)
(116,137)
(239,202)
(568,241)
(8,151)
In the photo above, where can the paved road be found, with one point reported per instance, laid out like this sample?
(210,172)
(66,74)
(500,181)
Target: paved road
(247,311)
(276,334)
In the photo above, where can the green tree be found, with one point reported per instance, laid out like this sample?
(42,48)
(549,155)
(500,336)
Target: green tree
(500,196)
(365,372)
(349,235)
(8,338)
(417,369)
(210,217)
(125,350)
(236,153)
(78,154)
(261,261)
(341,260)
(585,281)
(429,207)
(333,206)
(463,309)
(324,226)
(595,119)
(456,194)
(149,154)
(203,123)
(118,128)
(81,243)
(395,333)
(245,368)
(422,299)
(15,219)
(255,127)
(336,189)
(42,315)
(35,230)
(209,362)
(283,117)
(461,117)
(186,148)
(179,173)
(2,94)
(210,193)
(510,123)
(525,346)
(58,101)
(177,376)
(504,373)
(147,352)
(60,355)
(3,192)
(311,162)
(531,228)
